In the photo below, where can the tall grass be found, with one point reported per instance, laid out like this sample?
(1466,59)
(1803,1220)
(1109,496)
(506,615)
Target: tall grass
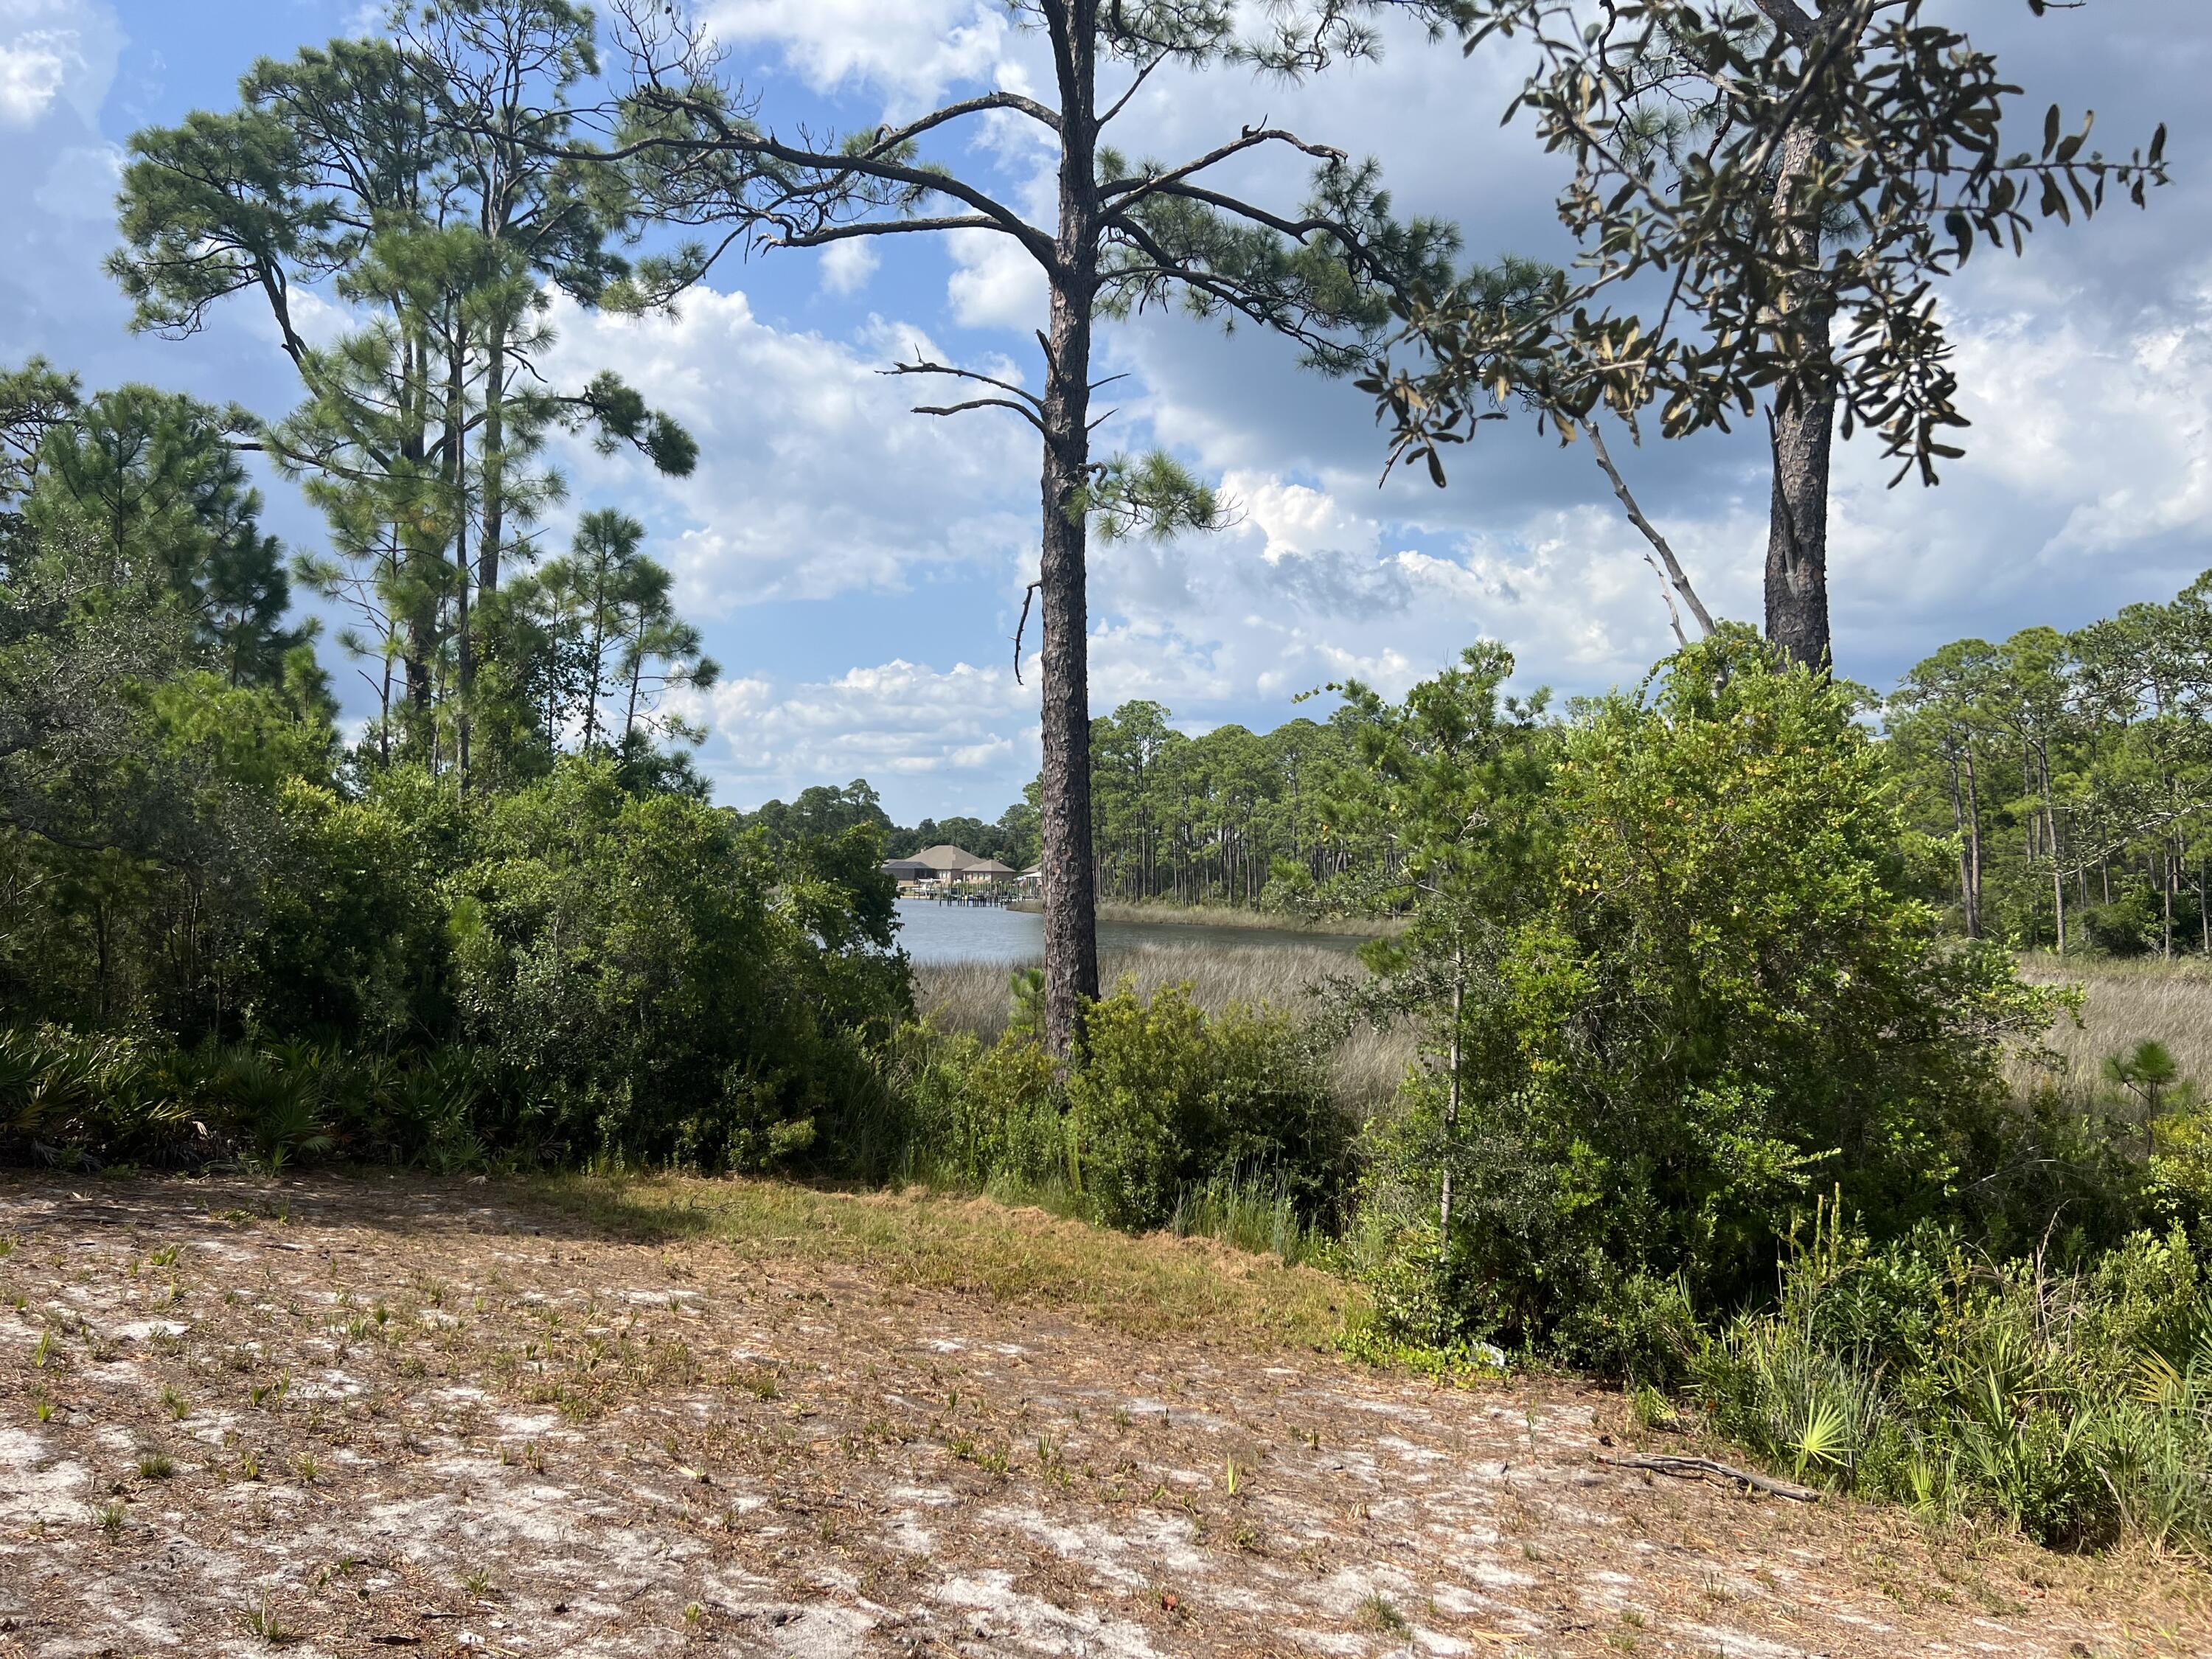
(2127,1001)
(1365,1068)
(1248,1211)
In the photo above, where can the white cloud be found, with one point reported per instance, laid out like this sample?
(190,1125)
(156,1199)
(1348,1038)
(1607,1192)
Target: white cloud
(847,266)
(816,477)
(56,51)
(2086,483)
(896,720)
(914,49)
(995,283)
(32,67)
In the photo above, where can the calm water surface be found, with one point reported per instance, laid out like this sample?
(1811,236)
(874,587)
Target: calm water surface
(957,933)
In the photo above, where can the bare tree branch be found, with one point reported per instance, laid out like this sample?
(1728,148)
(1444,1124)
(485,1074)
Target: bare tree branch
(1134,87)
(881,227)
(991,100)
(1135,190)
(920,366)
(835,170)
(1028,598)
(979,403)
(1674,573)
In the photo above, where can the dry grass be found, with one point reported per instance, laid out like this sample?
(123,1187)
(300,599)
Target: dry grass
(1365,1070)
(2126,1002)
(1157,1286)
(1161,913)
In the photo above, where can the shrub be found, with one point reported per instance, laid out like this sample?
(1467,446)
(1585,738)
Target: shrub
(648,987)
(1730,1000)
(352,942)
(2128,926)
(980,1117)
(1164,1099)
(2077,1405)
(71,1097)
(1167,1117)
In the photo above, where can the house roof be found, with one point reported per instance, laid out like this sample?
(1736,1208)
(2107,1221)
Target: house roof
(903,866)
(947,858)
(989,867)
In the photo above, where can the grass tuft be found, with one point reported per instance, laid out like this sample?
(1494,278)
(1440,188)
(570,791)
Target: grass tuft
(1380,1614)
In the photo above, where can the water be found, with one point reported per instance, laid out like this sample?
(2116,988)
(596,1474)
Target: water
(958,932)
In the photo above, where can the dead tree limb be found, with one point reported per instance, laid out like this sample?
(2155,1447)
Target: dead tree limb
(1028,598)
(1698,1467)
(1674,573)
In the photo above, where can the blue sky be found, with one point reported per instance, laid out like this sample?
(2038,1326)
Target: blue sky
(858,568)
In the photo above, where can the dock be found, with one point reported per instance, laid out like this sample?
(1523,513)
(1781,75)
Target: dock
(986,897)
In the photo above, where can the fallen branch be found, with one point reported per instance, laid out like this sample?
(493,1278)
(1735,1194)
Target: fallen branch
(1687,1467)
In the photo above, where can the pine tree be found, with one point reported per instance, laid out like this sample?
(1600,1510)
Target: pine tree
(1126,234)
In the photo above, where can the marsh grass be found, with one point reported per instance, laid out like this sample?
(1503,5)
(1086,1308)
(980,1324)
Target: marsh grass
(1159,913)
(1246,1212)
(2126,1002)
(1365,1065)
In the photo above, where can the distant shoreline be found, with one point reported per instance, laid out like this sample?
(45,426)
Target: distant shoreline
(1222,916)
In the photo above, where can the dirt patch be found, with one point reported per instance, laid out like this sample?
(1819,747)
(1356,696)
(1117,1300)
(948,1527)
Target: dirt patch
(357,1417)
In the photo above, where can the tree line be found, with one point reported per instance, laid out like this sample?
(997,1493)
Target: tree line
(2060,784)
(2070,777)
(1231,817)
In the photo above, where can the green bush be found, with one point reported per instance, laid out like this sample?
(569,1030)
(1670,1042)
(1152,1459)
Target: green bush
(352,941)
(980,1117)
(80,1101)
(1164,1099)
(1167,1118)
(1722,996)
(648,988)
(61,1091)
(2128,926)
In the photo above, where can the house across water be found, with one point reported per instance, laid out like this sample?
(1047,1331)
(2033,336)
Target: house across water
(943,869)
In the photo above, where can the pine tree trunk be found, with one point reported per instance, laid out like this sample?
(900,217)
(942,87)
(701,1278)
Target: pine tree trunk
(2166,896)
(1803,433)
(1965,869)
(1973,848)
(495,463)
(457,470)
(2058,862)
(1071,895)
(596,657)
(420,658)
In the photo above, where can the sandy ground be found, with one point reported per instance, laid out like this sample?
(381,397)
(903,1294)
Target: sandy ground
(357,1417)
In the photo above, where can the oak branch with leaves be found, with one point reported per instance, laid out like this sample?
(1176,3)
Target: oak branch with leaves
(1763,197)
(1124,235)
